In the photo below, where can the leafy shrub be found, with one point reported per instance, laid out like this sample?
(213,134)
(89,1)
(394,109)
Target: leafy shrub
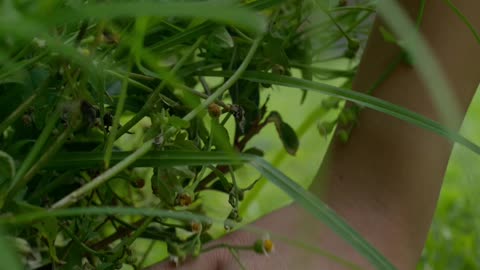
(118,115)
(82,85)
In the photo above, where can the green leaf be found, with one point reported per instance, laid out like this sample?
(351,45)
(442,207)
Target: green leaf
(7,167)
(274,51)
(220,137)
(287,134)
(222,38)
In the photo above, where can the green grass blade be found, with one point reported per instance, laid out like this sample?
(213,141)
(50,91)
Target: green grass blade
(189,34)
(359,98)
(215,11)
(33,216)
(163,159)
(424,61)
(464,19)
(206,27)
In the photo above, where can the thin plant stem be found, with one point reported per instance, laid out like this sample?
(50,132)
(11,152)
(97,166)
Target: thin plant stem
(50,152)
(156,93)
(145,254)
(79,242)
(116,121)
(237,258)
(464,19)
(23,107)
(126,242)
(227,84)
(34,153)
(75,195)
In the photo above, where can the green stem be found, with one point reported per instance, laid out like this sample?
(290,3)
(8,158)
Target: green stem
(50,152)
(129,240)
(145,255)
(237,258)
(130,80)
(116,121)
(79,242)
(23,107)
(34,153)
(464,19)
(421,12)
(102,178)
(228,83)
(156,93)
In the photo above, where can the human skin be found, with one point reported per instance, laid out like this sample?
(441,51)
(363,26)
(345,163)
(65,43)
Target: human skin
(386,179)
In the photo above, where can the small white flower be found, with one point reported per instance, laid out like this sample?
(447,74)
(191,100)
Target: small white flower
(175,260)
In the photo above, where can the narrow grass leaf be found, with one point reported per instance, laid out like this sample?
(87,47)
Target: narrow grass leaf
(215,11)
(359,98)
(426,64)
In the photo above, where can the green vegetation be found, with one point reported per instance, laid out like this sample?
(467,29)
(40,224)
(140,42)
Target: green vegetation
(131,131)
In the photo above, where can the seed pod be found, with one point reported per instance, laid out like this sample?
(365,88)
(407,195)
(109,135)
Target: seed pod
(183,199)
(214,110)
(196,227)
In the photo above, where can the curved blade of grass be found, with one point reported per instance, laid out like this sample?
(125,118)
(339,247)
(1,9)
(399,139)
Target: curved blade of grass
(356,97)
(424,61)
(311,203)
(33,216)
(206,27)
(160,159)
(464,19)
(215,11)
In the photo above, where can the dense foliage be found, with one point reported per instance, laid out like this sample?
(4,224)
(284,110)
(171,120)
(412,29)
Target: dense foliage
(167,76)
(117,117)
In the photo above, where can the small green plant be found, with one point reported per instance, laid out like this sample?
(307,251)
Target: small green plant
(115,116)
